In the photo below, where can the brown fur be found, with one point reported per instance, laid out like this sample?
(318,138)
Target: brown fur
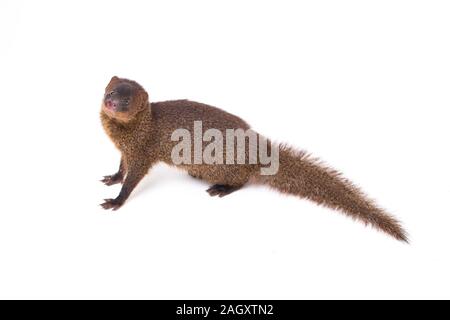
(143,132)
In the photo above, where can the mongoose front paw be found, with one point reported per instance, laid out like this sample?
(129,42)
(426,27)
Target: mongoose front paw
(112,204)
(113,179)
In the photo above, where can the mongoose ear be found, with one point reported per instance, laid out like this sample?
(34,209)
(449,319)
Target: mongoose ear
(115,78)
(144,95)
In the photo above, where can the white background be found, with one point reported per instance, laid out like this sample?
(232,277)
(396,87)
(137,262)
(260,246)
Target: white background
(362,84)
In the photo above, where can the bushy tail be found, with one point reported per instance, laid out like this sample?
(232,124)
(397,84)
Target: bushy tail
(301,175)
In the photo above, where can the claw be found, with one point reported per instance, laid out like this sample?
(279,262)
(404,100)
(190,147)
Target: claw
(111,204)
(110,180)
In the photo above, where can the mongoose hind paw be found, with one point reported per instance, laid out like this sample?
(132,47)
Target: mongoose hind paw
(221,190)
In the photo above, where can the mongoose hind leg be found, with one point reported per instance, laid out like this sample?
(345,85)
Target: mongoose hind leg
(194,175)
(115,178)
(222,190)
(227,179)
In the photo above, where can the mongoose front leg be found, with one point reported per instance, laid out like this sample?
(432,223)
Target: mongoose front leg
(117,177)
(135,174)
(222,190)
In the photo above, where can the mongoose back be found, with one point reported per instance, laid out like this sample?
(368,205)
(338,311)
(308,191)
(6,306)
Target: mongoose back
(142,131)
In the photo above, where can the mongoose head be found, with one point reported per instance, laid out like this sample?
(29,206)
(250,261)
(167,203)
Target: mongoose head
(124,99)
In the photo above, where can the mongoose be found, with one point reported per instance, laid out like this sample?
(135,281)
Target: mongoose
(142,131)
